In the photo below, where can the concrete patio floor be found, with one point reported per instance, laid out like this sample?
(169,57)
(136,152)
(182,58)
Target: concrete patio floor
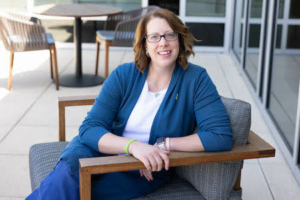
(28,115)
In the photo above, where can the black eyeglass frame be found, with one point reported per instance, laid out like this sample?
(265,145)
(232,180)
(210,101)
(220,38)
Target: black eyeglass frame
(160,36)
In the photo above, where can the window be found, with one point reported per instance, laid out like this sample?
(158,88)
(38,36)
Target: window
(211,8)
(210,34)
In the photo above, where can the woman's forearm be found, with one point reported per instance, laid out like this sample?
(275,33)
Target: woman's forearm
(151,156)
(187,143)
(112,144)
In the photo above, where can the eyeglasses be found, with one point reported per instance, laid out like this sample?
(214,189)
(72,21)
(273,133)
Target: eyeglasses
(153,38)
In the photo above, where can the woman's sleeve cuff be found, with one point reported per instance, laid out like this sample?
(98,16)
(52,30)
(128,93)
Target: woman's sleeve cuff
(92,136)
(215,142)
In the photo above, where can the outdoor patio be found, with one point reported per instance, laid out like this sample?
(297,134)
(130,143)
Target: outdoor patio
(28,115)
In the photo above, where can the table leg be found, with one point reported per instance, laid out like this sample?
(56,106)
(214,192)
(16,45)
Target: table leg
(77,41)
(79,80)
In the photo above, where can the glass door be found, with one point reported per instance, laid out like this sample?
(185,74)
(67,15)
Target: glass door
(239,19)
(285,71)
(256,27)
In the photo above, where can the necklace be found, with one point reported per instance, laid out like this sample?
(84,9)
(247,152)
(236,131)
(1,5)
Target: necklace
(159,92)
(160,89)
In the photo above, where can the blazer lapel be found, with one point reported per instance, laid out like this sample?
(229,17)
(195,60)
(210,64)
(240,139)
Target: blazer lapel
(171,93)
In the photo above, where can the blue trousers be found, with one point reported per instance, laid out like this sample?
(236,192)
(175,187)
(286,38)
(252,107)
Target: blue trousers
(60,184)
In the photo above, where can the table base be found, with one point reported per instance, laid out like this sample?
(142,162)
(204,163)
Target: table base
(86,80)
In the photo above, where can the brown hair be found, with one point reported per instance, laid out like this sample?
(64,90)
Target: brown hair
(185,37)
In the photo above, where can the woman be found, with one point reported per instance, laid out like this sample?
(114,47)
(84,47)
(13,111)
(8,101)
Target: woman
(146,108)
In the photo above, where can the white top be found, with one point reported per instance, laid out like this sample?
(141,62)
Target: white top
(141,118)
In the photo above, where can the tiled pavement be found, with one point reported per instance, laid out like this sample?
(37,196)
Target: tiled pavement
(28,115)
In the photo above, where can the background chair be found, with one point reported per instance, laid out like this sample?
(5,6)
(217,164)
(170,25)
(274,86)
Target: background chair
(217,178)
(119,30)
(20,33)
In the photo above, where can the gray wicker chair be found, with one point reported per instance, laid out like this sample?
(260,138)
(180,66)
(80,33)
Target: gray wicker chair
(119,30)
(20,33)
(217,179)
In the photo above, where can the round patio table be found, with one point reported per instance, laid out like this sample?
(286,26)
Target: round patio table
(77,11)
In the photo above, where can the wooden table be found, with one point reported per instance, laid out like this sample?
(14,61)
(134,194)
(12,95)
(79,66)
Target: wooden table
(77,11)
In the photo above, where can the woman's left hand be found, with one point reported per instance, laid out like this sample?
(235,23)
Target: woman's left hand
(147,173)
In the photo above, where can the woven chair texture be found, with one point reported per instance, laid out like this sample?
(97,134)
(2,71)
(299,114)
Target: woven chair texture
(19,34)
(113,20)
(125,32)
(119,30)
(215,180)
(42,160)
(125,24)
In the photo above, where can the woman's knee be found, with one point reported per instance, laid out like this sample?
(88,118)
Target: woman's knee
(75,151)
(59,184)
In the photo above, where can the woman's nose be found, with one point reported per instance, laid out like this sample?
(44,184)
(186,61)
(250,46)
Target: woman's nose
(163,41)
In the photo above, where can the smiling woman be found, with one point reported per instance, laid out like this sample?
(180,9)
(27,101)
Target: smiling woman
(146,108)
(163,52)
(171,24)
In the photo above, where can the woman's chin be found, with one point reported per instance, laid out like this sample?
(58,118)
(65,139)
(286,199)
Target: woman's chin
(165,64)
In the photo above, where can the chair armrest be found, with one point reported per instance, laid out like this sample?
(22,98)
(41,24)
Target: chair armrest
(64,102)
(255,148)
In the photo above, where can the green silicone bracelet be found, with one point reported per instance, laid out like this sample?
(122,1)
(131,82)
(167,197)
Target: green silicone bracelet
(127,146)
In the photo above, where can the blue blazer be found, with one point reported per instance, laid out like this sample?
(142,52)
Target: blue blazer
(191,101)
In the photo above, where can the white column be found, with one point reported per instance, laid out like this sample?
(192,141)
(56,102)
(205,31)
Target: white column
(297,132)
(270,46)
(145,3)
(261,46)
(228,24)
(30,5)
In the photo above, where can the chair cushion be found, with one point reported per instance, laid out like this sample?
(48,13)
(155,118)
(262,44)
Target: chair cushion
(119,38)
(50,38)
(20,39)
(177,189)
(42,159)
(106,35)
(215,180)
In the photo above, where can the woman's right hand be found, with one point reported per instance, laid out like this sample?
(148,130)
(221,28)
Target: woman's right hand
(151,156)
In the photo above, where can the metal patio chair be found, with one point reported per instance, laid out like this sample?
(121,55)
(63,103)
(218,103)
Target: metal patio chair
(199,175)
(119,30)
(20,33)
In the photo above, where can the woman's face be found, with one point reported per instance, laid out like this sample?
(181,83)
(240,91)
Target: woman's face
(163,53)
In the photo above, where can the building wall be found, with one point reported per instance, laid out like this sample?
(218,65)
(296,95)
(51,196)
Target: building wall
(266,45)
